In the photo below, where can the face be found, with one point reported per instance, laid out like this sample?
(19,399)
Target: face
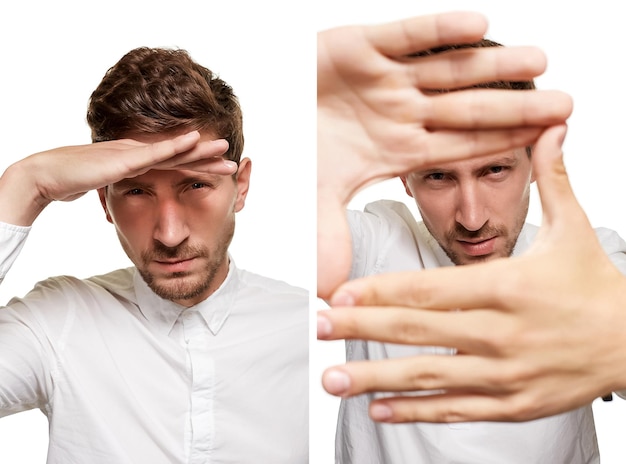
(176,226)
(475,209)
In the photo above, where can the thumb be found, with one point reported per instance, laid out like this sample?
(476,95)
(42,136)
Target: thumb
(557,197)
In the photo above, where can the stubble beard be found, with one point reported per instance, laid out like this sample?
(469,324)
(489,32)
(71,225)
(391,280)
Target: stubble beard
(178,286)
(488,230)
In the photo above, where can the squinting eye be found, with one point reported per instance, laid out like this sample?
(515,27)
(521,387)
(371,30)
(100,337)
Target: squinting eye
(436,176)
(135,191)
(496,169)
(198,185)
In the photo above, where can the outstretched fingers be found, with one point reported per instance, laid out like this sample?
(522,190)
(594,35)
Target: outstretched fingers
(186,151)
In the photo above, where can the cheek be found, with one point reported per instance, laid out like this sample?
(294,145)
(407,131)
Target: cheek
(436,211)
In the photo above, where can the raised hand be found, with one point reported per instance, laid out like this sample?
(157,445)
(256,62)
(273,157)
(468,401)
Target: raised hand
(69,172)
(378,116)
(536,335)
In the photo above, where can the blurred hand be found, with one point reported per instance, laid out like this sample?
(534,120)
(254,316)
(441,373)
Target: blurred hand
(378,116)
(536,335)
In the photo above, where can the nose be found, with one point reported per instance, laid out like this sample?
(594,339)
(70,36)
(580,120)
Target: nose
(471,211)
(171,228)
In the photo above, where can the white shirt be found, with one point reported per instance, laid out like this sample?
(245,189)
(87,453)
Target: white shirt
(126,377)
(387,238)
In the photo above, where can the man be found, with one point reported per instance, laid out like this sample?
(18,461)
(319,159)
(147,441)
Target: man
(183,357)
(472,211)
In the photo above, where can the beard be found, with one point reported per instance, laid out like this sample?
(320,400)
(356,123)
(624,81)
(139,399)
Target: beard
(175,286)
(461,233)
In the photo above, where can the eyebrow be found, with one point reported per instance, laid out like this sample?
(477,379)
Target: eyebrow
(504,160)
(209,178)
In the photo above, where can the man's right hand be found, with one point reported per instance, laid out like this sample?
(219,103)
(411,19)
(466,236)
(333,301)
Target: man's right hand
(67,173)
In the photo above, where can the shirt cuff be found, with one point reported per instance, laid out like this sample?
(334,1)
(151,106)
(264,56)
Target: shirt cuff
(12,239)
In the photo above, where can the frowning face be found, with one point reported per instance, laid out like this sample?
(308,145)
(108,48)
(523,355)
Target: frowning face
(176,226)
(475,209)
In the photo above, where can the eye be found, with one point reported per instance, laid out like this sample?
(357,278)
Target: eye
(134,192)
(198,185)
(496,169)
(436,176)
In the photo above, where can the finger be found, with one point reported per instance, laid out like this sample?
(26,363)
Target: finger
(420,33)
(496,109)
(422,373)
(463,287)
(462,330)
(467,67)
(442,146)
(557,197)
(157,152)
(166,153)
(461,407)
(201,151)
(215,165)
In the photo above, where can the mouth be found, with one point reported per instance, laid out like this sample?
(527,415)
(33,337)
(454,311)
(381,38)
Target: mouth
(478,247)
(175,264)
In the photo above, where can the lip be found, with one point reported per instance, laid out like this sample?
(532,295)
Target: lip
(175,265)
(478,248)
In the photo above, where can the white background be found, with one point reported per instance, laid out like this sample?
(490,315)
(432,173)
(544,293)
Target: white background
(584,43)
(55,53)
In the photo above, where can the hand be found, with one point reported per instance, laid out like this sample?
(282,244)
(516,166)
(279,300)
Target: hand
(377,116)
(536,335)
(69,172)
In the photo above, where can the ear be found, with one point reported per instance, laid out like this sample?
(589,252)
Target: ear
(103,201)
(406,186)
(243,183)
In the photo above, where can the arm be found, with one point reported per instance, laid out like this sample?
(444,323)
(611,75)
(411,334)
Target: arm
(537,335)
(67,173)
(377,117)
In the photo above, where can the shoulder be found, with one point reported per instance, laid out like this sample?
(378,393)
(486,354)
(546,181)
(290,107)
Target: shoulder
(382,217)
(64,290)
(261,285)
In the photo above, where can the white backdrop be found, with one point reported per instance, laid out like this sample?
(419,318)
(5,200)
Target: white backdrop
(55,54)
(583,42)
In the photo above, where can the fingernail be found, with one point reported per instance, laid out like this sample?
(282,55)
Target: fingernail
(380,412)
(336,382)
(324,326)
(342,298)
(230,164)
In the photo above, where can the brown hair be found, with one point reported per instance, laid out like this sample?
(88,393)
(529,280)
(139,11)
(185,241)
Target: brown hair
(158,90)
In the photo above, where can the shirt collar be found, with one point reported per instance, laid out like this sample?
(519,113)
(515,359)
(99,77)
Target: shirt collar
(162,314)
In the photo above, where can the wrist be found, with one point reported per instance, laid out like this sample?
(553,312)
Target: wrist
(20,199)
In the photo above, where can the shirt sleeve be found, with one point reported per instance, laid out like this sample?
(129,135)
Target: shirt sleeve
(615,248)
(12,239)
(22,367)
